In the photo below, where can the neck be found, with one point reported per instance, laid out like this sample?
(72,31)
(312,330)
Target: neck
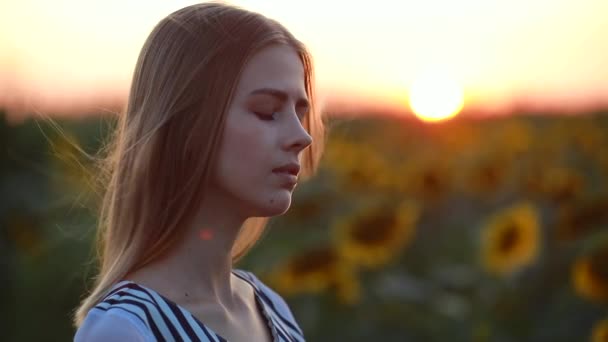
(198,270)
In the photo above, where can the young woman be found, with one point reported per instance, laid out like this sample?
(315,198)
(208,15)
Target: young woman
(219,127)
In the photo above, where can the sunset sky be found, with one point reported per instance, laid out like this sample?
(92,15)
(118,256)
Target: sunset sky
(554,53)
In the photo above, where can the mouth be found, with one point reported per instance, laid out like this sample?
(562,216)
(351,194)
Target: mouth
(288,179)
(291,168)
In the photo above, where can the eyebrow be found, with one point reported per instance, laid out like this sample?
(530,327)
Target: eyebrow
(280,95)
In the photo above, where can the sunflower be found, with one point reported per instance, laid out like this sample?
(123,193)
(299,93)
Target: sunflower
(368,174)
(588,138)
(358,167)
(459,135)
(427,179)
(346,285)
(515,136)
(339,154)
(374,236)
(510,239)
(313,271)
(590,274)
(555,183)
(562,184)
(599,333)
(551,146)
(531,176)
(578,219)
(306,209)
(488,176)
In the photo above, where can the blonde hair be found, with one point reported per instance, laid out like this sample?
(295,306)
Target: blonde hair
(166,144)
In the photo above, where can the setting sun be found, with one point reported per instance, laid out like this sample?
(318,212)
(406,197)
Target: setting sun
(434,96)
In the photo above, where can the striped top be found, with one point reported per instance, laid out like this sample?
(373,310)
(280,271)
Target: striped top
(137,313)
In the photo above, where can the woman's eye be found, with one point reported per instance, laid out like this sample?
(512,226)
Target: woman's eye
(265,117)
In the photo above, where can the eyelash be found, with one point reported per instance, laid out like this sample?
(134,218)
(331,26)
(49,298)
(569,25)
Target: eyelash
(271,117)
(265,117)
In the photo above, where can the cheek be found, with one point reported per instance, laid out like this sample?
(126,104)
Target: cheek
(248,151)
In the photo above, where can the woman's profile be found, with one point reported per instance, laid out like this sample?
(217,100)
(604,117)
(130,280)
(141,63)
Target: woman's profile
(219,125)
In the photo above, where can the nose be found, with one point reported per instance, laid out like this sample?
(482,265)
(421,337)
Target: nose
(298,138)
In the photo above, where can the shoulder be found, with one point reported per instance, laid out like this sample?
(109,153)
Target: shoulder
(273,300)
(111,325)
(127,312)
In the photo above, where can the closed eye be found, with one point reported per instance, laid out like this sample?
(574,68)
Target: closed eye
(271,117)
(264,116)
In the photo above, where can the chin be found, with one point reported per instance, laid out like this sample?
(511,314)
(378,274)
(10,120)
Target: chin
(276,205)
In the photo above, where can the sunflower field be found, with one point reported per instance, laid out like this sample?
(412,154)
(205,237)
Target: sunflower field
(492,229)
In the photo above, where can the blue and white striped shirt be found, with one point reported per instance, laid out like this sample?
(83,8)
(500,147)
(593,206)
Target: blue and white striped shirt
(138,313)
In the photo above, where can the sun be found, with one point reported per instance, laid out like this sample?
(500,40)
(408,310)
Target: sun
(434,96)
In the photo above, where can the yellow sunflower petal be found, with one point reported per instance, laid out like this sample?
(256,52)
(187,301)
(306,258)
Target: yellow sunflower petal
(599,332)
(590,276)
(310,271)
(375,236)
(510,239)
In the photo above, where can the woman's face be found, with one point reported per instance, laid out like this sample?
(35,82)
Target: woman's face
(263,132)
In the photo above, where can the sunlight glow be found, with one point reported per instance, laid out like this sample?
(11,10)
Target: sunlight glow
(65,54)
(434,96)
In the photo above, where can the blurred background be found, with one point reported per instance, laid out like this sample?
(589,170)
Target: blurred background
(463,194)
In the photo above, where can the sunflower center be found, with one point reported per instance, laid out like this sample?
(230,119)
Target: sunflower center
(591,214)
(374,229)
(313,260)
(431,181)
(509,238)
(490,175)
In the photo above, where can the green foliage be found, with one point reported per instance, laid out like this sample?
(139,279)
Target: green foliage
(45,229)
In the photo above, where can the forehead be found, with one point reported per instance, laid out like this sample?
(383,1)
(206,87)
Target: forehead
(278,67)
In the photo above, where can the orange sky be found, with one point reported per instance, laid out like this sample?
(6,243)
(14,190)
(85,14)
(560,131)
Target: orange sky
(80,54)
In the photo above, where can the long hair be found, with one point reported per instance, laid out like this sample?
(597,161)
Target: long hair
(159,160)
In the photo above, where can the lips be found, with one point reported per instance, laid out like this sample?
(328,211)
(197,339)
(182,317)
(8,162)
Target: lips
(291,168)
(288,173)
